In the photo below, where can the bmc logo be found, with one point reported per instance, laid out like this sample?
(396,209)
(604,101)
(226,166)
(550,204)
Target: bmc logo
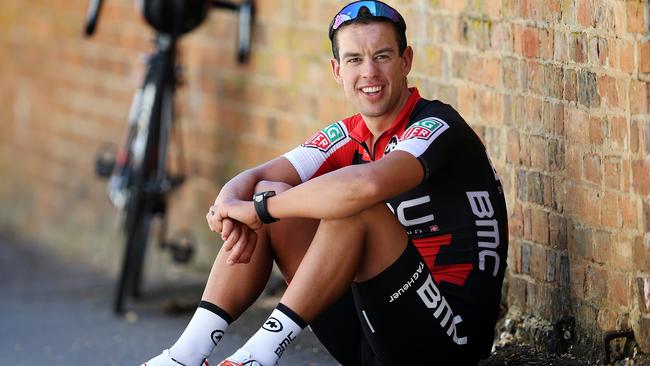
(326,138)
(425,129)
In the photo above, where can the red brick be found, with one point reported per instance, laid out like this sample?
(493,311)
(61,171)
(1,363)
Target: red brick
(492,8)
(577,47)
(585,13)
(644,57)
(618,288)
(598,51)
(635,16)
(570,85)
(644,136)
(512,154)
(577,282)
(538,262)
(466,102)
(614,53)
(626,56)
(590,213)
(641,176)
(540,230)
(492,72)
(552,11)
(527,224)
(595,288)
(608,91)
(557,231)
(502,39)
(619,128)
(597,130)
(490,106)
(531,42)
(611,212)
(640,98)
(553,117)
(454,5)
(576,200)
(538,152)
(635,137)
(517,291)
(641,254)
(575,130)
(560,46)
(620,15)
(546,43)
(612,167)
(622,250)
(629,211)
(626,175)
(592,168)
(533,109)
(602,247)
(568,10)
(516,224)
(573,163)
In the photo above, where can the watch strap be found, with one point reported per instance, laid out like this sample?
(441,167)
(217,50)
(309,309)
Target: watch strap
(260,203)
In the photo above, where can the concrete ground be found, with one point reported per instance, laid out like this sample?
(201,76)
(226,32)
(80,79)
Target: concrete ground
(54,312)
(58,313)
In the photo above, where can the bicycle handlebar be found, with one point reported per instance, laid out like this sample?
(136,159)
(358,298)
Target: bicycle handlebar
(94,7)
(245,10)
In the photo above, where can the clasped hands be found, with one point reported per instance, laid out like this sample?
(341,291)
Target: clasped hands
(237,221)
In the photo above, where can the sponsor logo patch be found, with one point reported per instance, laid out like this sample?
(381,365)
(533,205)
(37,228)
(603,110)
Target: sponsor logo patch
(424,129)
(216,336)
(391,145)
(272,325)
(326,138)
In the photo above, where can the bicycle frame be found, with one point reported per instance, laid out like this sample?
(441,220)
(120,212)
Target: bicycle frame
(139,182)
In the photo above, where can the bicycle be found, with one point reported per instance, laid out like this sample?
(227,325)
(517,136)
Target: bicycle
(138,176)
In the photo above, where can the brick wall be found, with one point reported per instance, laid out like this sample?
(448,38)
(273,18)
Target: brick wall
(558,89)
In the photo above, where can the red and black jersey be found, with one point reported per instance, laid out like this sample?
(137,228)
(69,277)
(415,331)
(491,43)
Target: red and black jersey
(456,216)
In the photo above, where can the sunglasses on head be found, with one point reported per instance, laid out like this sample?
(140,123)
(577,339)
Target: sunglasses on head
(374,8)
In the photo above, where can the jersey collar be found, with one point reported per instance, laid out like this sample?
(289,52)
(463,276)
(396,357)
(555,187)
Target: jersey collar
(360,131)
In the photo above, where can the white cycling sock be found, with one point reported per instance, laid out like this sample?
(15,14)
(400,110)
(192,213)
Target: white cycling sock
(202,334)
(278,331)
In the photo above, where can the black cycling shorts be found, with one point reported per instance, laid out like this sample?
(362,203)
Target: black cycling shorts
(401,317)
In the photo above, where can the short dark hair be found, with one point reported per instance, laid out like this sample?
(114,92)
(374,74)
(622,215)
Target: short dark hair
(367,18)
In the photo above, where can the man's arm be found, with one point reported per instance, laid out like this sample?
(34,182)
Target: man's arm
(241,187)
(349,190)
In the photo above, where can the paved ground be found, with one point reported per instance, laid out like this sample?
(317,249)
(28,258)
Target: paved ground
(59,314)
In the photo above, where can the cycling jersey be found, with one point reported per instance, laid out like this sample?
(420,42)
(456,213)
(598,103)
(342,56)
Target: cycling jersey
(456,216)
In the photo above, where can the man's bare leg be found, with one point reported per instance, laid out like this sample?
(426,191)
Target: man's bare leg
(356,248)
(231,289)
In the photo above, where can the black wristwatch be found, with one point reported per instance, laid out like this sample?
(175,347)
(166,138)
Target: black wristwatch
(259,200)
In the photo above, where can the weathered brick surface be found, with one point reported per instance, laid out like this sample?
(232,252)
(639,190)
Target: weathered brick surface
(559,90)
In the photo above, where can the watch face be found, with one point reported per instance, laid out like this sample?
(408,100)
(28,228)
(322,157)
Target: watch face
(259,197)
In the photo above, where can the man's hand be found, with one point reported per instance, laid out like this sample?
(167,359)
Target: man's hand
(237,221)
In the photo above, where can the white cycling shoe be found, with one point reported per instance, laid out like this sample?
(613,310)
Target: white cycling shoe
(164,359)
(240,358)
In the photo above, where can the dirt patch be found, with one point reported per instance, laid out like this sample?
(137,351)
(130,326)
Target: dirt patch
(524,355)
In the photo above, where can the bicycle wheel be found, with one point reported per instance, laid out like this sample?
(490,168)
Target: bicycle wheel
(145,197)
(138,222)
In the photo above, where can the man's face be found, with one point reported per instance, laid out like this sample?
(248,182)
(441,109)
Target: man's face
(371,70)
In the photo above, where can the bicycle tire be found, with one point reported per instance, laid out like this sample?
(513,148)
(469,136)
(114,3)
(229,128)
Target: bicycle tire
(141,206)
(134,253)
